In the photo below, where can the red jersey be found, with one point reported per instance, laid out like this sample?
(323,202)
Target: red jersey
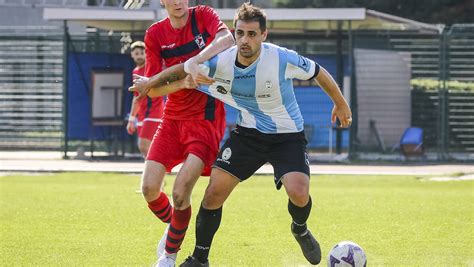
(168,46)
(148,107)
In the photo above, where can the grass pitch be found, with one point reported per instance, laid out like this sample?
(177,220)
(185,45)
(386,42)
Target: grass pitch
(97,219)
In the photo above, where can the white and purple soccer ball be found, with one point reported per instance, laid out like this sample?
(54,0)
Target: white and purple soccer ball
(347,253)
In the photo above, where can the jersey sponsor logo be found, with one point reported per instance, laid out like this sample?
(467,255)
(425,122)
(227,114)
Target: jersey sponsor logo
(264,96)
(168,46)
(222,80)
(221,89)
(303,63)
(200,41)
(242,95)
(250,76)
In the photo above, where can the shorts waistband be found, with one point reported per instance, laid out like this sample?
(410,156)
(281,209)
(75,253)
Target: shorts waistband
(252,132)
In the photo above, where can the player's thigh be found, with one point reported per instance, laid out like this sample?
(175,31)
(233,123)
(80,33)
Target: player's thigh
(152,179)
(240,156)
(201,138)
(289,156)
(221,184)
(165,147)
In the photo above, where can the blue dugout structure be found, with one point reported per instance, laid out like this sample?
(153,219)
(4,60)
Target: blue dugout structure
(80,66)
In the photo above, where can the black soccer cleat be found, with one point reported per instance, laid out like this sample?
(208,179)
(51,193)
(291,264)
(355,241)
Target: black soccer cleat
(193,262)
(309,246)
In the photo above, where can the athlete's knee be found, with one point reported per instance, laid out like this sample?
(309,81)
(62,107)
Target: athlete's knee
(180,198)
(150,191)
(150,188)
(299,199)
(298,194)
(182,193)
(213,198)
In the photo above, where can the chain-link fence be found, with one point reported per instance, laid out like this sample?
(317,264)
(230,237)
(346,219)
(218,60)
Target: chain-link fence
(395,80)
(415,79)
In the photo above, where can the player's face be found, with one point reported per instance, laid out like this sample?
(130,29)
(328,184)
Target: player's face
(249,38)
(138,55)
(176,8)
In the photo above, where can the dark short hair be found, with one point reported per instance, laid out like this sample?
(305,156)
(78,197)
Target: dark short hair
(137,44)
(248,13)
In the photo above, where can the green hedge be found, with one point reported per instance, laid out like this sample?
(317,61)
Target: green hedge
(430,85)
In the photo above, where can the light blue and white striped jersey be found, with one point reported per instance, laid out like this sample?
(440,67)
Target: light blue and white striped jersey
(262,92)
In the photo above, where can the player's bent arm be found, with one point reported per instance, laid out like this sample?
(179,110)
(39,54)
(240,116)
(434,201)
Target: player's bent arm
(325,80)
(167,76)
(166,89)
(169,81)
(341,108)
(221,42)
(159,82)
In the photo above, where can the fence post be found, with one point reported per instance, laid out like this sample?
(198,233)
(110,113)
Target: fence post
(353,95)
(443,124)
(339,79)
(65,90)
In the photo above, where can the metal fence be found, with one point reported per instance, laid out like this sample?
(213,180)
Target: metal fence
(31,88)
(394,79)
(438,70)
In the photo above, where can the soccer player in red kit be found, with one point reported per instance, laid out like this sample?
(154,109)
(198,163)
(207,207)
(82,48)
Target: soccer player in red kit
(193,123)
(146,112)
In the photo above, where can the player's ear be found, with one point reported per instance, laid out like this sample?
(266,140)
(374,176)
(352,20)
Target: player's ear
(264,35)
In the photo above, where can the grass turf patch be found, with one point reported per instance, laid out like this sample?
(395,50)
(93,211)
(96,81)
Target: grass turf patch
(85,219)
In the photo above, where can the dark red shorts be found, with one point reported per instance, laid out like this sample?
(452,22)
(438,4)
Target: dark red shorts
(175,139)
(148,129)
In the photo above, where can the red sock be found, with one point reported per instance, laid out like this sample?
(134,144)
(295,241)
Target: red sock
(161,208)
(177,231)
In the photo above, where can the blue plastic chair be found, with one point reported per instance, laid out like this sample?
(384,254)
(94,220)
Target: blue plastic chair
(411,142)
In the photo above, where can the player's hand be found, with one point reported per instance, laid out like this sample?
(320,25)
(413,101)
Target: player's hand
(343,113)
(189,83)
(191,67)
(204,79)
(131,127)
(139,85)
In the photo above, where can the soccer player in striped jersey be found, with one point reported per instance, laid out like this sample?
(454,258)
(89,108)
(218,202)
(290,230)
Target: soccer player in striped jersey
(256,78)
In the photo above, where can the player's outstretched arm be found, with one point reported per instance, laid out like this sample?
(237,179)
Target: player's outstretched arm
(341,109)
(186,83)
(161,83)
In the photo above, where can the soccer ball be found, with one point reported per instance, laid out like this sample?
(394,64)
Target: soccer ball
(347,253)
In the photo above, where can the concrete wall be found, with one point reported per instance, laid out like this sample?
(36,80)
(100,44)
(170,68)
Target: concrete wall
(23,16)
(20,16)
(383,95)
